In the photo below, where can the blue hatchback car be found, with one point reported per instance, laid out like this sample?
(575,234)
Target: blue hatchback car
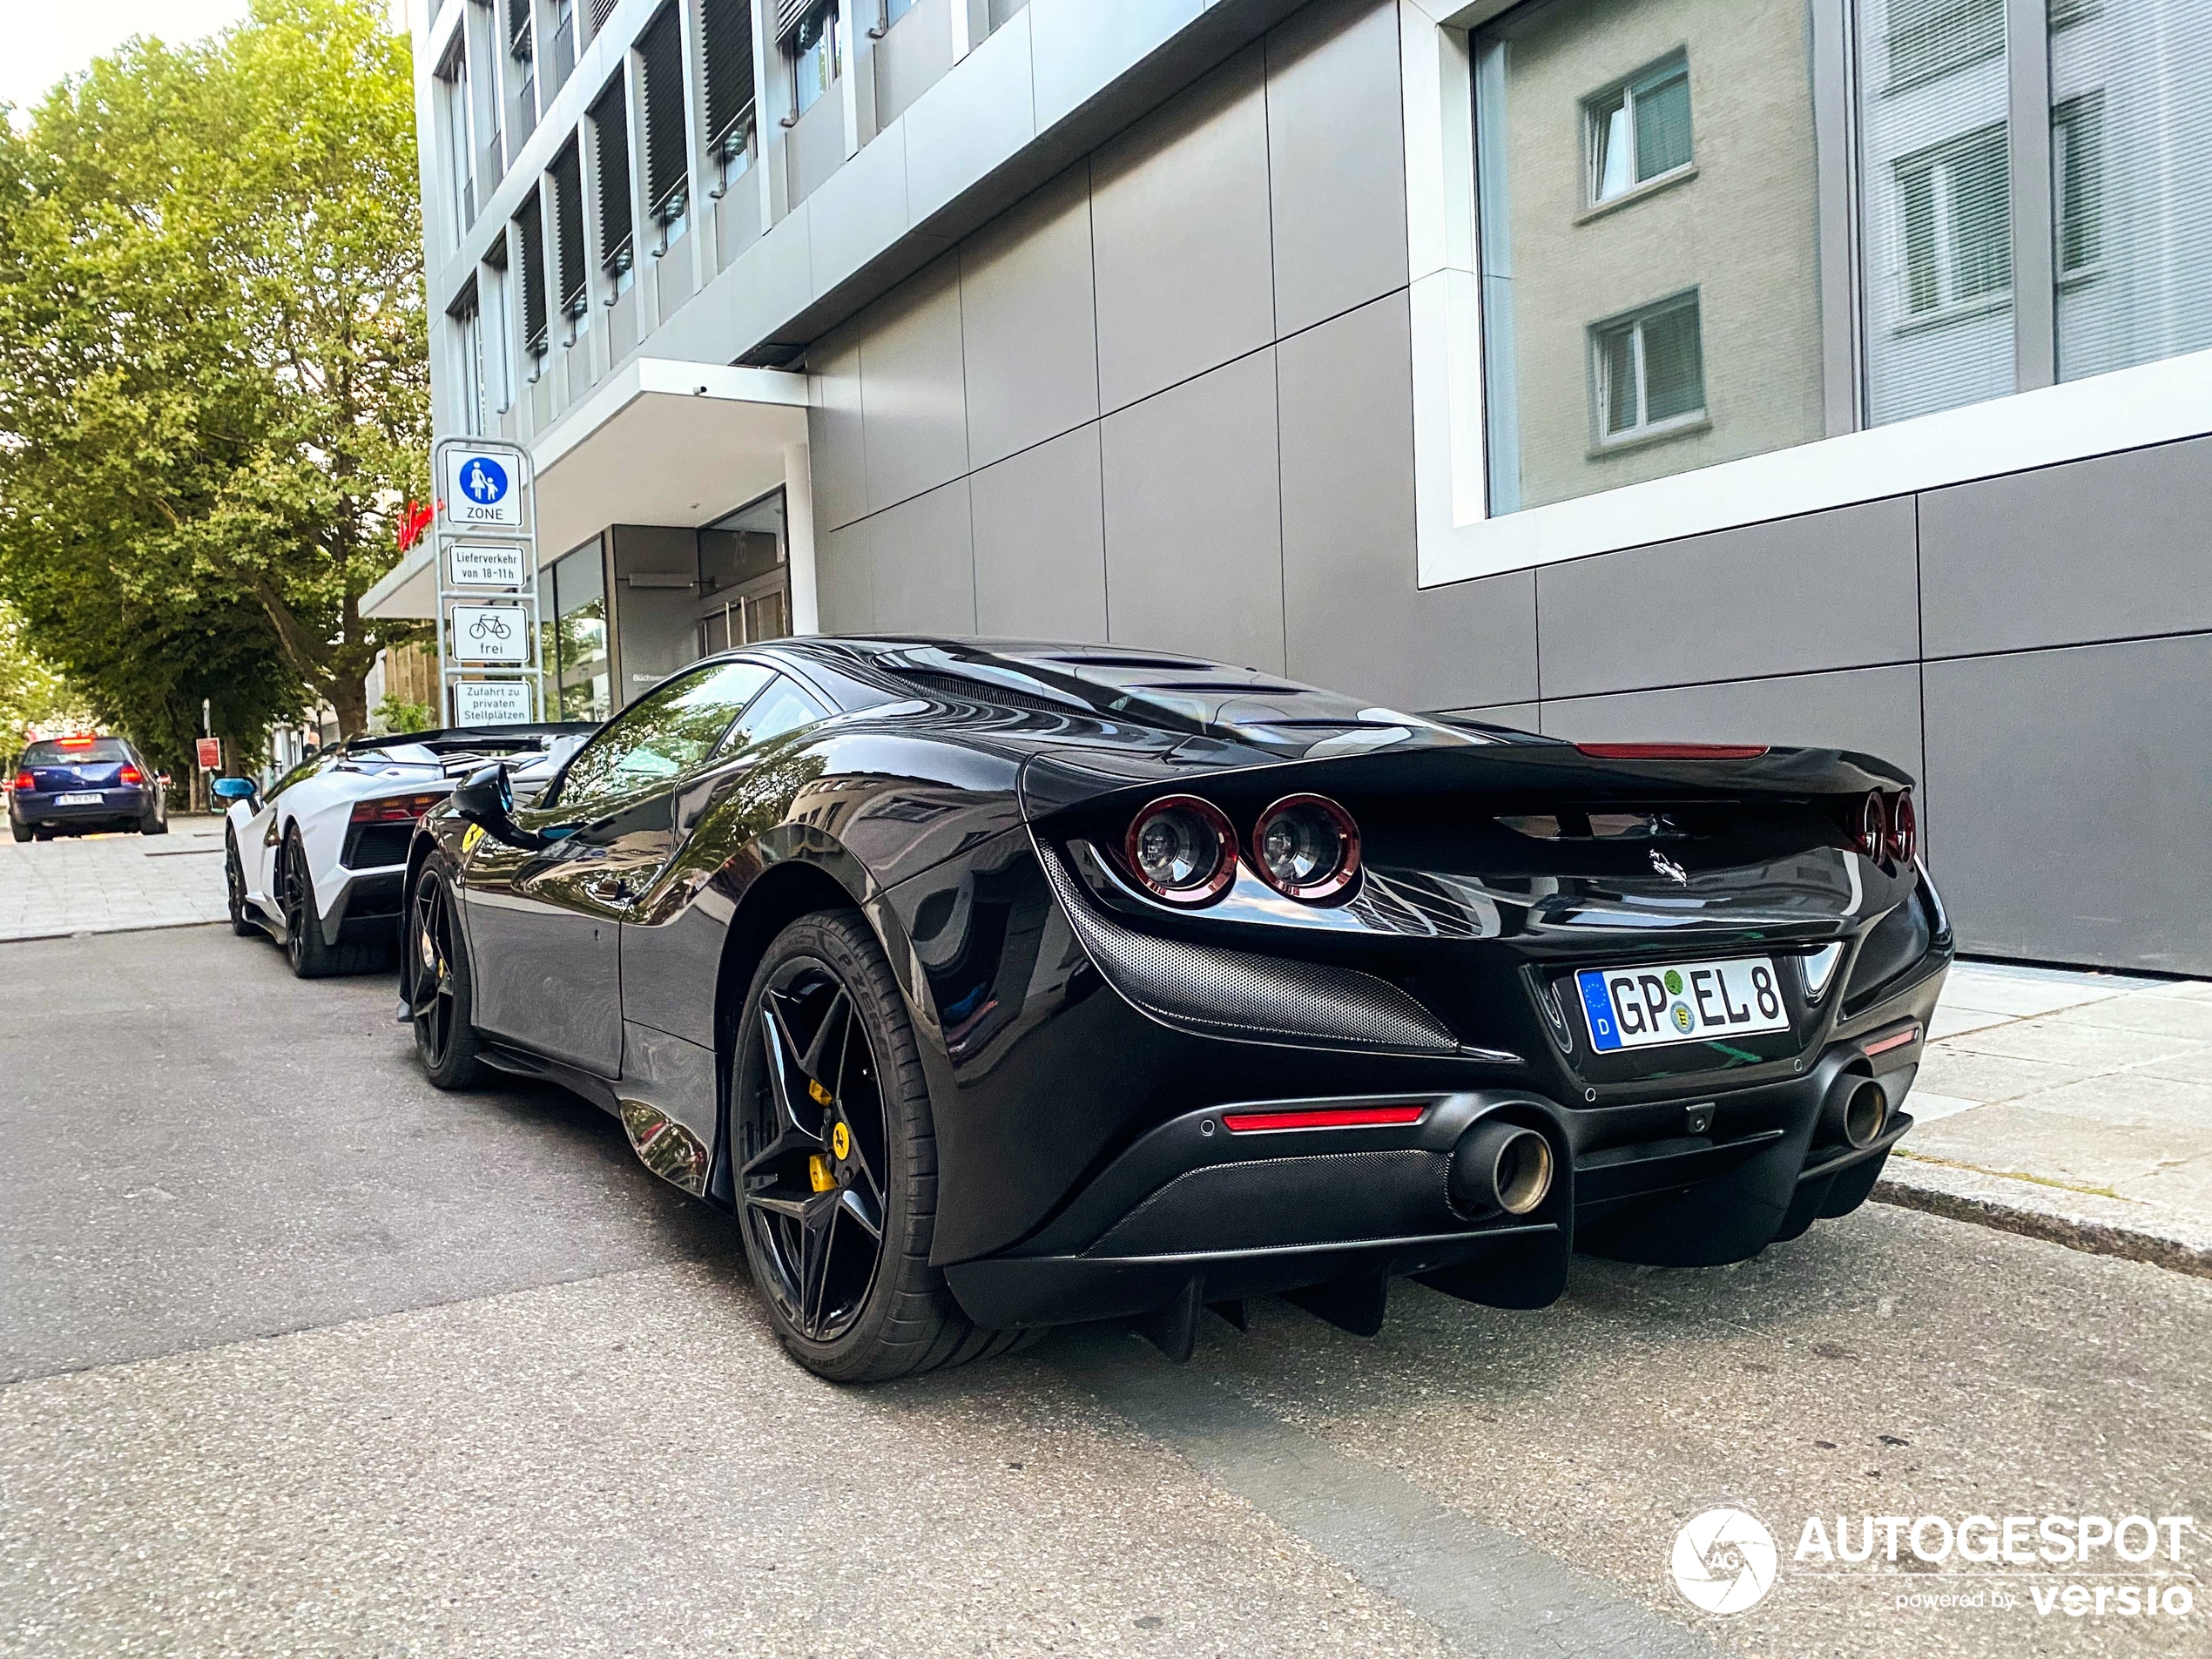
(71,785)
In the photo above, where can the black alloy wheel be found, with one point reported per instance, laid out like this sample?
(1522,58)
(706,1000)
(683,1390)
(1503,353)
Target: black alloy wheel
(814,1191)
(234,888)
(436,983)
(835,1157)
(311,956)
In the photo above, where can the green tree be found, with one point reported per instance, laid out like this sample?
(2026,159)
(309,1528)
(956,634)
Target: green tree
(32,693)
(213,382)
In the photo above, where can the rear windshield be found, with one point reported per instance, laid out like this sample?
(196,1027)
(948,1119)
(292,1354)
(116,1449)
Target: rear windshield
(97,751)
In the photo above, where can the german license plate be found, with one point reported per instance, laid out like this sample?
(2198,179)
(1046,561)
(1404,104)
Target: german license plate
(93,800)
(1641,1007)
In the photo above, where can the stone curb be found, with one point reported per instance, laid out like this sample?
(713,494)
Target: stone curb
(2080,1221)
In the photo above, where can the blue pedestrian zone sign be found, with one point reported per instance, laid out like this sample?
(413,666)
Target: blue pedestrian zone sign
(484,479)
(480,488)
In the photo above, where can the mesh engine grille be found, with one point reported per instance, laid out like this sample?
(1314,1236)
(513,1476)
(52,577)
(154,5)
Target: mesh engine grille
(1230,993)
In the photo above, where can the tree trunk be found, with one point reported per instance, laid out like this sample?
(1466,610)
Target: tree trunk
(349,697)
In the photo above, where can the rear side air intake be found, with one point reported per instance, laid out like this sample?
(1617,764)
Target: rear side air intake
(1229,993)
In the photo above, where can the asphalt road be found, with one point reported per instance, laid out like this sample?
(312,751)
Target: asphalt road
(302,1357)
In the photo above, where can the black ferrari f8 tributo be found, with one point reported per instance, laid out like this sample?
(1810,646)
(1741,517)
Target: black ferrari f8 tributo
(993,986)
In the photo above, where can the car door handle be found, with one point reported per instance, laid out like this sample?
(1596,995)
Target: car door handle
(609,889)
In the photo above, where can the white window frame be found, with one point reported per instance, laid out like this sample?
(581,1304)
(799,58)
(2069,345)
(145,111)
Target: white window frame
(1456,539)
(1643,428)
(1939,164)
(1595,139)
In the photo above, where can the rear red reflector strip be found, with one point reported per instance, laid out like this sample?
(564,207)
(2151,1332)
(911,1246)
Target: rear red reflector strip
(1895,1040)
(1326,1117)
(1673,751)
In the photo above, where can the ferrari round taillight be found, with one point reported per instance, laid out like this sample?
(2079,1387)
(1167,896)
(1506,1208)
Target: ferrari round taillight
(1901,836)
(1306,847)
(1871,833)
(1182,849)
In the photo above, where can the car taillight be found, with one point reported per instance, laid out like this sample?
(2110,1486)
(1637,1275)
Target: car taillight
(1182,849)
(1306,847)
(1872,832)
(395,809)
(129,775)
(25,780)
(1901,834)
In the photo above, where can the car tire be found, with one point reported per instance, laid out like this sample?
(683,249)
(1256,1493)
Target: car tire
(242,922)
(807,1243)
(436,981)
(156,821)
(21,831)
(303,947)
(42,833)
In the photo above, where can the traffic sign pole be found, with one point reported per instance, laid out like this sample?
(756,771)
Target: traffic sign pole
(491,647)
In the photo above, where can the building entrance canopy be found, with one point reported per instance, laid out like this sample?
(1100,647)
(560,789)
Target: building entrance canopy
(661,442)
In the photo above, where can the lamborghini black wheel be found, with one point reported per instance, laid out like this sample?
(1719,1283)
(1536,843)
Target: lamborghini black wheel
(436,981)
(311,955)
(836,1162)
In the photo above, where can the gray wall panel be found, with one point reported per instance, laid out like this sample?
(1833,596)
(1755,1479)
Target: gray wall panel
(1876,710)
(1030,333)
(1522,717)
(1347,401)
(912,56)
(2071,785)
(911,398)
(860,208)
(956,133)
(2003,565)
(1079,45)
(1180,218)
(924,563)
(1040,542)
(1827,590)
(844,579)
(834,431)
(1335,159)
(1194,552)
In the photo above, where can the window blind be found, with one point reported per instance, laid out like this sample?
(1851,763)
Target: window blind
(660,51)
(610,125)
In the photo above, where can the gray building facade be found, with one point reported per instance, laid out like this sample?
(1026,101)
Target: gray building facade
(1790,371)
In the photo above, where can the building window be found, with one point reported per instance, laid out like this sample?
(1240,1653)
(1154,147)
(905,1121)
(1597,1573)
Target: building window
(1956,203)
(609,116)
(571,275)
(522,69)
(572,594)
(2077,174)
(1649,372)
(1928,38)
(1639,131)
(527,235)
(725,28)
(660,53)
(499,340)
(813,47)
(473,370)
(461,135)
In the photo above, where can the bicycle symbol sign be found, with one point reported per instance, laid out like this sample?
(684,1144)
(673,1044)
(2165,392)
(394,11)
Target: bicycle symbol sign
(480,489)
(490,634)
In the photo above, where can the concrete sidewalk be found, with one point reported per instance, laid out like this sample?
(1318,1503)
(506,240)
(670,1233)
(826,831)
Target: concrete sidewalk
(104,884)
(2074,1106)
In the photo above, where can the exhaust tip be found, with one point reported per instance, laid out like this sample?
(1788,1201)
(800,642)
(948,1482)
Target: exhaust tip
(1501,1166)
(1856,1111)
(1866,1114)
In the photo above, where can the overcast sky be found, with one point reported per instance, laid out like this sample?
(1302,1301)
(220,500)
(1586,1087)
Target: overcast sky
(47,39)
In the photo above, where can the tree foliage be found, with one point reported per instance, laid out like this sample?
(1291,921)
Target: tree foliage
(213,381)
(32,693)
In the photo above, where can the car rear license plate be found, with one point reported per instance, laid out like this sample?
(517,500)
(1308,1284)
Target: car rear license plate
(95,799)
(1641,1007)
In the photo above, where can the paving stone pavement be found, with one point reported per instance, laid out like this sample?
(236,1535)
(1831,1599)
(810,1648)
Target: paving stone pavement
(104,884)
(2084,1100)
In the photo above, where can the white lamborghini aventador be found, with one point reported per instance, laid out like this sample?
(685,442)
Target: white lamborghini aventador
(318,863)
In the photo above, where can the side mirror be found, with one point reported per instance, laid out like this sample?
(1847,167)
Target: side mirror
(163,779)
(232,789)
(485,798)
